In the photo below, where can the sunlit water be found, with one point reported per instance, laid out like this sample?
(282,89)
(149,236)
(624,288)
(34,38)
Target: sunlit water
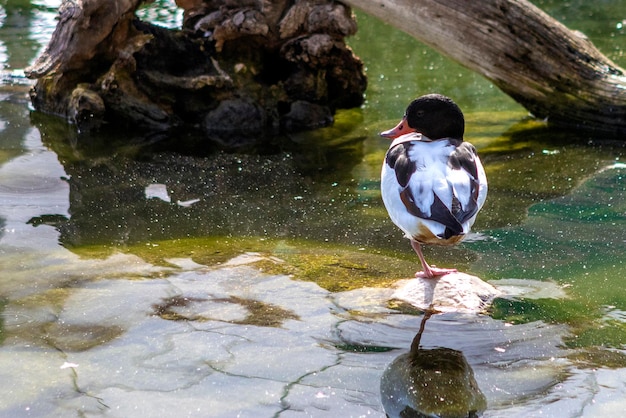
(154,280)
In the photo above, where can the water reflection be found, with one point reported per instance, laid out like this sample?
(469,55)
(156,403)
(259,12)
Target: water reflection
(25,26)
(141,191)
(17,50)
(434,382)
(114,319)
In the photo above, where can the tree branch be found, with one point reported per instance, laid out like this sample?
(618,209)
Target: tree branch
(555,73)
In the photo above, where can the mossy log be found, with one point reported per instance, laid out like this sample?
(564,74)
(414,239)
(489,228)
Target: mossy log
(237,71)
(555,73)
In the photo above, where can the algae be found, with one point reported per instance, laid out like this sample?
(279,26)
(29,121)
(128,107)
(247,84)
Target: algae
(593,357)
(332,266)
(258,313)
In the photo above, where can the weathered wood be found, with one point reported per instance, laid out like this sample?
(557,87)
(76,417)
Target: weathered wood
(83,27)
(555,73)
(238,71)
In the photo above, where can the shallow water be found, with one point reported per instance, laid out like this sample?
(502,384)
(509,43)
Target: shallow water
(149,279)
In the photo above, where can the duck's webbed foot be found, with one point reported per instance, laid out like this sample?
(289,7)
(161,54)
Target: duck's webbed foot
(428,272)
(433,272)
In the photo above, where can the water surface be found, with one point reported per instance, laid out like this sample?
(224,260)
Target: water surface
(175,277)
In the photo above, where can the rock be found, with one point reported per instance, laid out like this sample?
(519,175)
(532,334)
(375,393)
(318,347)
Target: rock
(238,121)
(453,292)
(304,115)
(529,289)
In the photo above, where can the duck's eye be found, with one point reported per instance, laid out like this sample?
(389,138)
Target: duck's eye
(419,113)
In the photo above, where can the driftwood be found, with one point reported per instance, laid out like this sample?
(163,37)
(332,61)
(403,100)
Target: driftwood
(238,71)
(285,66)
(555,73)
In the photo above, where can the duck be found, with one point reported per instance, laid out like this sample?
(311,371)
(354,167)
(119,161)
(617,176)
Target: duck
(433,183)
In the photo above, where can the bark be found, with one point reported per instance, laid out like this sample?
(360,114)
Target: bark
(238,71)
(555,73)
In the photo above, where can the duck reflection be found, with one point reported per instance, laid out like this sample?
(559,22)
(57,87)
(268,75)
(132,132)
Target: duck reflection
(435,382)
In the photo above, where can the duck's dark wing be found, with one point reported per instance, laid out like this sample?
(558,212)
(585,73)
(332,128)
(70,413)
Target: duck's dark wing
(465,157)
(398,159)
(438,213)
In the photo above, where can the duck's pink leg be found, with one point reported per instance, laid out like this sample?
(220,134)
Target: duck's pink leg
(428,272)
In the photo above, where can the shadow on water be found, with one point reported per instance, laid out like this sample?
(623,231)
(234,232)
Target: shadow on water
(528,162)
(3,304)
(140,190)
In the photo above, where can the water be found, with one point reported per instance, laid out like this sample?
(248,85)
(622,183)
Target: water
(152,280)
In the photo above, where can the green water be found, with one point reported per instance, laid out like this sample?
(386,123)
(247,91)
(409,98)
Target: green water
(556,210)
(552,213)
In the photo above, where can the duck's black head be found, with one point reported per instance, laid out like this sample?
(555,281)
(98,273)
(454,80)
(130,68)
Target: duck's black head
(434,116)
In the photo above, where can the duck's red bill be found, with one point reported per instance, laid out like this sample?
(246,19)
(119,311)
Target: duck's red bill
(400,129)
